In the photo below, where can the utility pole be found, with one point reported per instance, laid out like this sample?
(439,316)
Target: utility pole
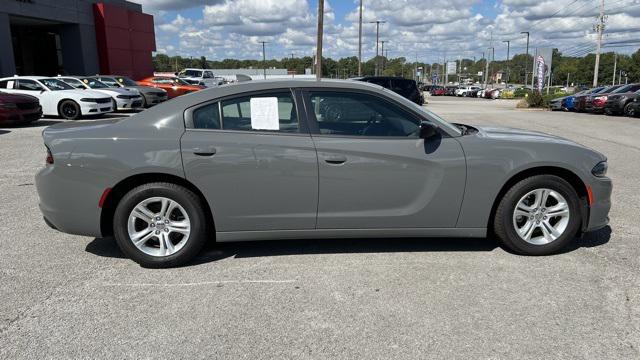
(599,28)
(525,67)
(377,22)
(382,60)
(319,40)
(264,60)
(615,63)
(360,41)
(614,79)
(508,44)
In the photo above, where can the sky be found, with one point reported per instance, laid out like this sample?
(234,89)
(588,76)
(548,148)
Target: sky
(429,30)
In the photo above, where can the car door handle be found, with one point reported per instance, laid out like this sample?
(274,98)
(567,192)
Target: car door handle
(206,151)
(335,159)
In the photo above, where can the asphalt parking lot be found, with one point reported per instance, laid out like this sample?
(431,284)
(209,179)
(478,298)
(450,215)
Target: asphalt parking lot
(67,296)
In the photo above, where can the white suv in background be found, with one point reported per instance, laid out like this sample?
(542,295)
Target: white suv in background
(58,98)
(467,90)
(122,98)
(200,77)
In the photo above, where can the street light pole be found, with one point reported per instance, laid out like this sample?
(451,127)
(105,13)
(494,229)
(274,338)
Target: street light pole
(525,68)
(377,22)
(508,44)
(382,60)
(360,41)
(319,40)
(264,63)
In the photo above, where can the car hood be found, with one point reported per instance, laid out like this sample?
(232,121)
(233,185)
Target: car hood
(521,135)
(82,93)
(146,89)
(118,91)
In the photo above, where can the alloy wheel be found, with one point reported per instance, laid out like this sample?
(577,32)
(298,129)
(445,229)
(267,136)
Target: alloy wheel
(541,216)
(159,226)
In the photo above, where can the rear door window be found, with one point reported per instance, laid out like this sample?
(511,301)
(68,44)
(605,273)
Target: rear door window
(265,112)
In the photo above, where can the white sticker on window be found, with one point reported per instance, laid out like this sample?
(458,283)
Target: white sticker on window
(264,113)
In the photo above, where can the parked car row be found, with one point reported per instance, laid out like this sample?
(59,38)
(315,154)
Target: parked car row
(610,100)
(24,99)
(463,91)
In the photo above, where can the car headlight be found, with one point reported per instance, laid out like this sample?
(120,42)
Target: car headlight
(88,100)
(8,106)
(122,97)
(600,170)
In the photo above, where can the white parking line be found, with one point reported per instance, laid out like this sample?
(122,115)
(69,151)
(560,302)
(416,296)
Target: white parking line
(204,283)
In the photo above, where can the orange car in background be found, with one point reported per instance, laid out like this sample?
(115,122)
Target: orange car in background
(174,86)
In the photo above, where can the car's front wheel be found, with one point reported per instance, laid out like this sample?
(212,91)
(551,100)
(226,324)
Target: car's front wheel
(539,215)
(629,110)
(160,225)
(69,110)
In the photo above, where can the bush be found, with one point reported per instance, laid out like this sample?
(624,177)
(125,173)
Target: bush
(520,93)
(522,104)
(534,99)
(507,95)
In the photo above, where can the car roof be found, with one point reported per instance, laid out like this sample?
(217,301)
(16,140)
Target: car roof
(29,77)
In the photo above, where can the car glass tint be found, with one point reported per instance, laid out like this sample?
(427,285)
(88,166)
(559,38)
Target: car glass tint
(127,81)
(236,113)
(356,114)
(74,82)
(28,85)
(95,84)
(55,84)
(109,81)
(207,117)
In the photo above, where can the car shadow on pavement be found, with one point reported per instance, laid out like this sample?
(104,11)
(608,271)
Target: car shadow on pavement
(212,251)
(2,132)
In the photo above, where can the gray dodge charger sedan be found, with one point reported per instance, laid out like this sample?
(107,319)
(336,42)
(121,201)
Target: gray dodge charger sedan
(312,159)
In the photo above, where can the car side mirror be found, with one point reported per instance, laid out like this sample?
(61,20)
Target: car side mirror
(427,129)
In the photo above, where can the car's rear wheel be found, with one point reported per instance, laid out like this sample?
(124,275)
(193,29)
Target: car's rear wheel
(160,225)
(69,110)
(539,215)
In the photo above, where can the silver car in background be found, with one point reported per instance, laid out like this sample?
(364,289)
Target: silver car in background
(150,96)
(312,159)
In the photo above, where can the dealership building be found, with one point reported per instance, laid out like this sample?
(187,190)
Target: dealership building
(77,37)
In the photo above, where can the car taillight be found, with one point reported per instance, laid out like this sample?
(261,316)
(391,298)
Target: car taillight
(49,159)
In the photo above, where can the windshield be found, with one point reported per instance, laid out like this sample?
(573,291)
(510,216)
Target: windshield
(191,73)
(111,82)
(180,81)
(95,84)
(74,82)
(55,84)
(126,81)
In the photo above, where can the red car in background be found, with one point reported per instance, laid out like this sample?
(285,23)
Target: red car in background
(172,85)
(18,109)
(437,90)
(594,103)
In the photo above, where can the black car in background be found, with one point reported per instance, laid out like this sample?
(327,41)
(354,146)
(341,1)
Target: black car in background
(405,87)
(621,101)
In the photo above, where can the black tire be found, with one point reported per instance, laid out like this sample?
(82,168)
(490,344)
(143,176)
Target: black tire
(69,110)
(629,110)
(503,220)
(189,201)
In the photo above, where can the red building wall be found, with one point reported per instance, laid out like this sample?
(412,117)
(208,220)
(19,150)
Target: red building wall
(125,41)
